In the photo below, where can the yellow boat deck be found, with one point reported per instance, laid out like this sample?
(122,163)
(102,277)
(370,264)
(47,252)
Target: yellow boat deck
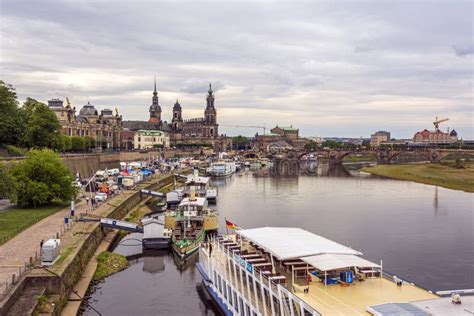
(335,299)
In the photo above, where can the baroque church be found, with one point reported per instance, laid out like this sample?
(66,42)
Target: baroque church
(195,131)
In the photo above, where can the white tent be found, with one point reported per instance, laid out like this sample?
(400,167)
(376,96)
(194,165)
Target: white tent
(289,243)
(328,262)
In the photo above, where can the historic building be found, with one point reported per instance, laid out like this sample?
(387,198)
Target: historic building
(280,138)
(144,139)
(377,138)
(203,131)
(105,128)
(435,137)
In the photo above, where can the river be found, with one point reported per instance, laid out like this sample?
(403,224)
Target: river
(423,233)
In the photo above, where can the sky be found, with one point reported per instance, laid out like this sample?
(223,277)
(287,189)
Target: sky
(330,68)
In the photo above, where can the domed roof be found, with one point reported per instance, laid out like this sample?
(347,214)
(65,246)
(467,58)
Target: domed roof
(177,106)
(453,133)
(88,110)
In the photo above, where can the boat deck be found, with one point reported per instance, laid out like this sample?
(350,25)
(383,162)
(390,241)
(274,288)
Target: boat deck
(336,299)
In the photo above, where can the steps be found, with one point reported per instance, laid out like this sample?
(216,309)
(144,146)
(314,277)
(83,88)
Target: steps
(27,302)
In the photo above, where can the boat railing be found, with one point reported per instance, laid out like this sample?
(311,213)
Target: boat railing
(288,302)
(392,277)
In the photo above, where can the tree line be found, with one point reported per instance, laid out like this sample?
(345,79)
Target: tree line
(33,125)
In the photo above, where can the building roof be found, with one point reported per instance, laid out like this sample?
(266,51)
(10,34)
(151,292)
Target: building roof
(140,125)
(289,242)
(453,133)
(148,132)
(177,106)
(88,110)
(328,262)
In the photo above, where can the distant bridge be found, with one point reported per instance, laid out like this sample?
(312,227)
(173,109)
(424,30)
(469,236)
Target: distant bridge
(383,156)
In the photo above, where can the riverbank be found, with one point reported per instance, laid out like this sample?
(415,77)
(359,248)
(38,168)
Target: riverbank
(433,174)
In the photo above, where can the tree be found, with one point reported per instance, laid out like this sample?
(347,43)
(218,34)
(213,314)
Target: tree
(311,145)
(42,128)
(331,144)
(42,178)
(78,143)
(7,184)
(240,142)
(11,118)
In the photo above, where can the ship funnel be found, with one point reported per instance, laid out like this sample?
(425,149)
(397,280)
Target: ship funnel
(192,193)
(196,172)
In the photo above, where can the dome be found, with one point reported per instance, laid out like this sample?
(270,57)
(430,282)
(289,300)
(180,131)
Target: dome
(177,106)
(88,110)
(453,133)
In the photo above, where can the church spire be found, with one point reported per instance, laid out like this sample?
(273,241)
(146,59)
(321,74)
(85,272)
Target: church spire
(154,91)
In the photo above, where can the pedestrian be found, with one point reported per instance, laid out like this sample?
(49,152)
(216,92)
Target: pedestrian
(210,249)
(41,245)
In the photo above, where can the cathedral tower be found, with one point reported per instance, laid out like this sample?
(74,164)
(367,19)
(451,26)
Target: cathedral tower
(210,115)
(155,108)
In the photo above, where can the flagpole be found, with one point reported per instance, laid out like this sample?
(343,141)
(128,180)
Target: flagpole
(226,228)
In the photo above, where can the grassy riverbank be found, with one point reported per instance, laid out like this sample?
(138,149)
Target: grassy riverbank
(109,263)
(434,174)
(15,220)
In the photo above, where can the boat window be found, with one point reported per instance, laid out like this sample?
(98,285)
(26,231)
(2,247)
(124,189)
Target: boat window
(234,301)
(220,284)
(248,309)
(225,289)
(241,306)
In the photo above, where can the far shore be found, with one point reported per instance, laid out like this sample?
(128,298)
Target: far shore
(433,174)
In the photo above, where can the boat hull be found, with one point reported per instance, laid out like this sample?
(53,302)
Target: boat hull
(156,243)
(206,281)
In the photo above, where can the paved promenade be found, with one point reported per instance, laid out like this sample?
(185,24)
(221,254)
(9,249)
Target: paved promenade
(18,250)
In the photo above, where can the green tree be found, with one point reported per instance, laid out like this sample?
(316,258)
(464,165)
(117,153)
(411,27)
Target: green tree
(240,142)
(311,145)
(11,118)
(90,142)
(78,143)
(42,128)
(331,144)
(66,143)
(41,178)
(7,184)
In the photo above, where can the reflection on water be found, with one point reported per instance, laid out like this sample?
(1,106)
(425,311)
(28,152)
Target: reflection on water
(423,233)
(152,285)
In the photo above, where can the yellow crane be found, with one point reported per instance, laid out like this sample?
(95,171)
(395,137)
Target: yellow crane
(438,121)
(247,126)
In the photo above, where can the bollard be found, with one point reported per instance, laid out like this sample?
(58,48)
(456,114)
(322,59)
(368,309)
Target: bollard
(57,235)
(13,279)
(31,261)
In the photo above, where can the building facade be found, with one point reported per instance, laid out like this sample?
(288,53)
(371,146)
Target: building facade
(104,127)
(435,137)
(280,139)
(377,138)
(202,131)
(147,139)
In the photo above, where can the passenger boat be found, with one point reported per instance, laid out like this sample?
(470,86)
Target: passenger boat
(201,185)
(222,168)
(190,223)
(290,271)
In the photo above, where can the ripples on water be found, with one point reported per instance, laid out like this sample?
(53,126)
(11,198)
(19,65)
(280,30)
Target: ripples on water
(423,234)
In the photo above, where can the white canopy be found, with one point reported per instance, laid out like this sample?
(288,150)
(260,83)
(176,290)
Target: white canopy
(289,243)
(197,180)
(328,262)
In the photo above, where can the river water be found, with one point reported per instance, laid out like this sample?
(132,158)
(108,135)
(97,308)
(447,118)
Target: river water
(423,233)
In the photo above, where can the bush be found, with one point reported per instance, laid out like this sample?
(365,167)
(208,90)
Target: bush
(15,151)
(41,178)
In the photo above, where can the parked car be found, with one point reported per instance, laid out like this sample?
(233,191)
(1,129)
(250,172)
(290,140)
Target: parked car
(100,197)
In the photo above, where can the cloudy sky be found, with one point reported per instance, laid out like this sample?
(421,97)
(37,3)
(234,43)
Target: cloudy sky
(330,68)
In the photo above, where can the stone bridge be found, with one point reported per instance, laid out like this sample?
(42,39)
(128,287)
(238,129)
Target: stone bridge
(384,156)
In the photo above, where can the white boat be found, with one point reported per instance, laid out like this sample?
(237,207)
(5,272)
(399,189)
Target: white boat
(290,271)
(201,186)
(222,168)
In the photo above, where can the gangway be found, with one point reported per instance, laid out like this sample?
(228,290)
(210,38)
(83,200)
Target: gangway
(122,225)
(152,193)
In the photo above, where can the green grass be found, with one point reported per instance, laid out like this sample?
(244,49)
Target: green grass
(434,174)
(64,254)
(359,158)
(16,220)
(109,263)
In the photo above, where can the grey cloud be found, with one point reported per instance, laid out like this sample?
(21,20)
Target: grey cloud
(462,51)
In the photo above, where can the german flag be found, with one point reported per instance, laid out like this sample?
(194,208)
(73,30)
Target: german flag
(231,225)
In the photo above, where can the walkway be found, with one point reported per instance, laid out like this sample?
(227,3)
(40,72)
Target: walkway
(18,250)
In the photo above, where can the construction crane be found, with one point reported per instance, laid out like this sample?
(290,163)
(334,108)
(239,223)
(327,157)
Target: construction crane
(247,126)
(437,122)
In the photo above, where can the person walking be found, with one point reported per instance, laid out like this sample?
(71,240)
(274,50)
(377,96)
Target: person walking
(210,249)
(41,246)
(87,203)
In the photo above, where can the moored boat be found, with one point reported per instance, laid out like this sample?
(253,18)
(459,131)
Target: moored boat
(190,223)
(290,271)
(222,168)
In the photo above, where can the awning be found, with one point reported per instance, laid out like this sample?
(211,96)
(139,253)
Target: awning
(328,262)
(289,243)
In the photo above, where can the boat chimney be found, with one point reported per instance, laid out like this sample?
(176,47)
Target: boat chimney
(196,172)
(192,193)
